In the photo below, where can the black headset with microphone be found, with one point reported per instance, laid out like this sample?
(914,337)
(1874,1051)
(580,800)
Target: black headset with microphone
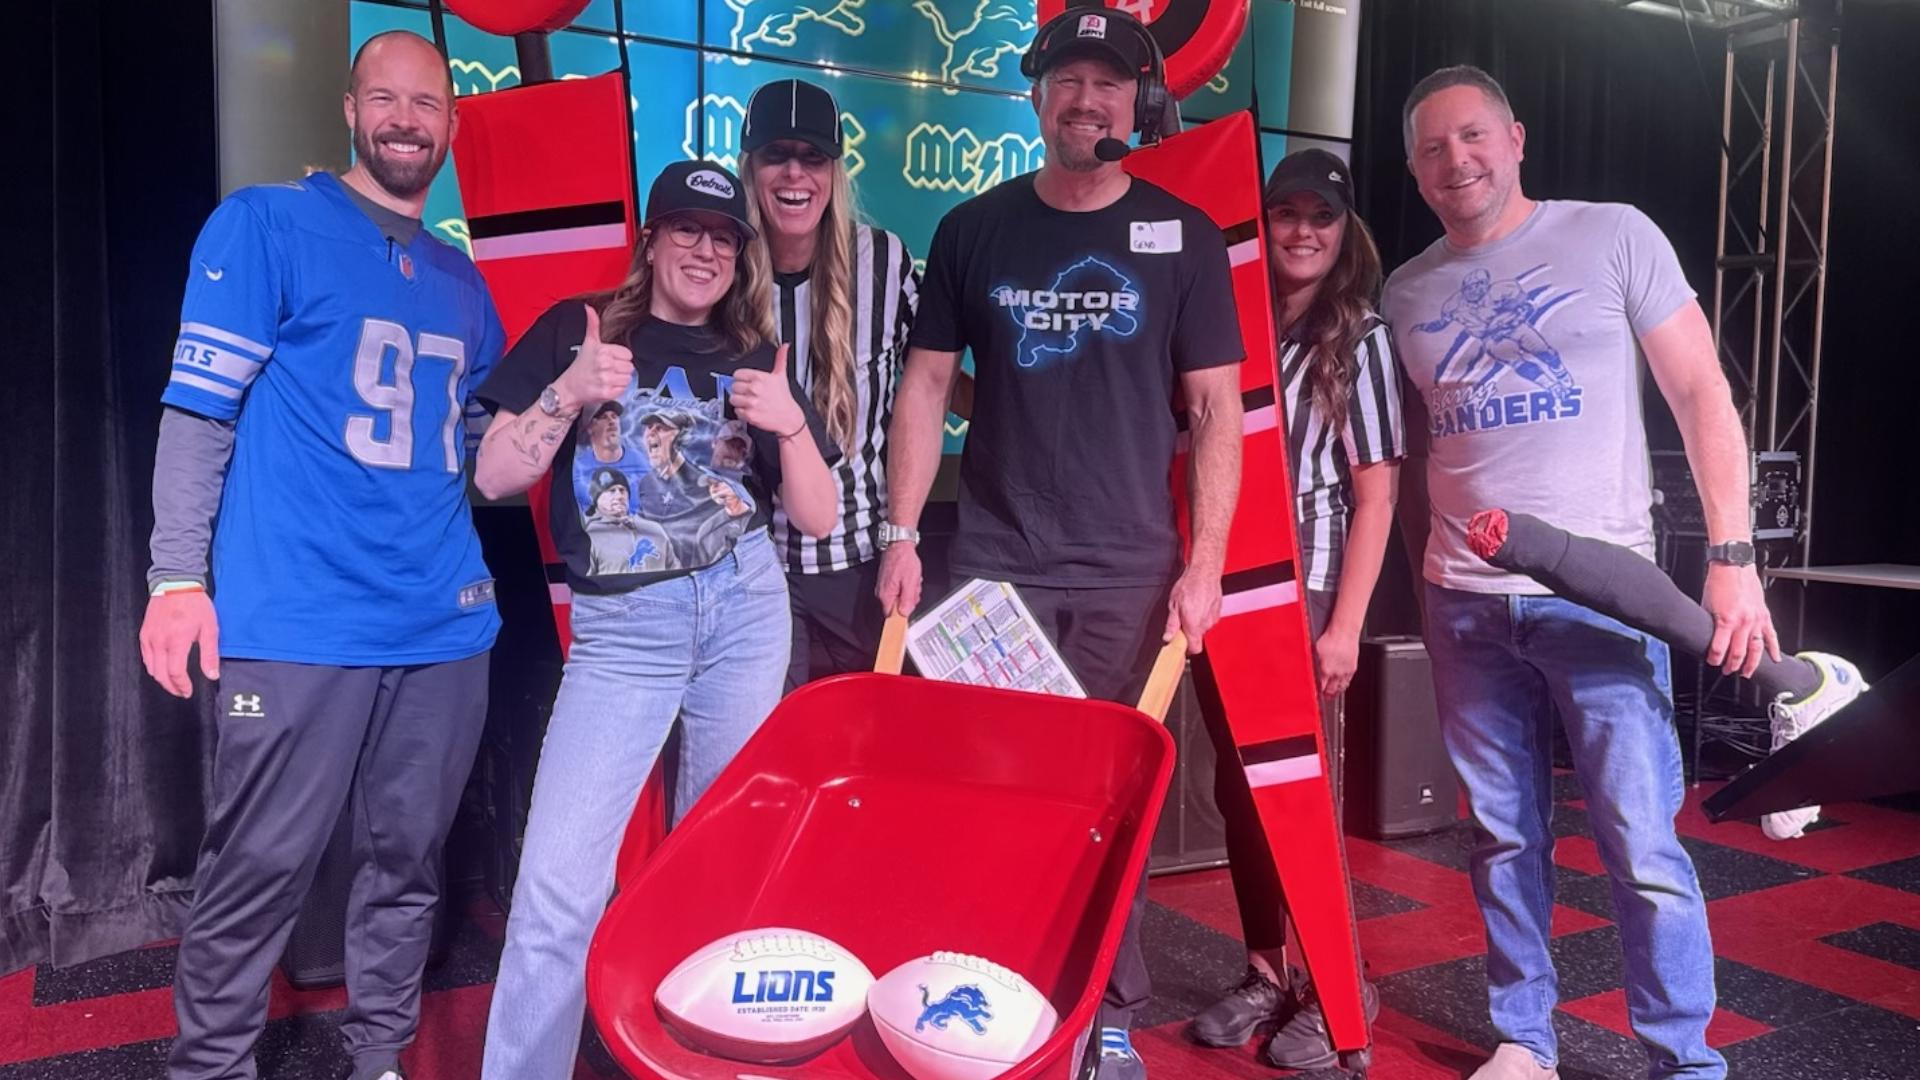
(1155,113)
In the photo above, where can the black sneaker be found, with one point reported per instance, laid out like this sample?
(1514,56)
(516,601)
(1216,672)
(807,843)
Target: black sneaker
(1303,1042)
(1231,1021)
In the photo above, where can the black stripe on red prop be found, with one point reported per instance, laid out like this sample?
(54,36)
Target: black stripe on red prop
(1259,577)
(1279,749)
(1241,233)
(546,219)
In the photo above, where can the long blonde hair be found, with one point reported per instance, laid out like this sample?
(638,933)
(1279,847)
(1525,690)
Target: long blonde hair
(743,317)
(1341,314)
(830,321)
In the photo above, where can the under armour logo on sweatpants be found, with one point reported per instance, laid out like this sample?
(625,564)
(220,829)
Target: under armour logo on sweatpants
(247,705)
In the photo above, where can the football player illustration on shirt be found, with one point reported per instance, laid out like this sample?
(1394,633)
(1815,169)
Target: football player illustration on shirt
(1500,318)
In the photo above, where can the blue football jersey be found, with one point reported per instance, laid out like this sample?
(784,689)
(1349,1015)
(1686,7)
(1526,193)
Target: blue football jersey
(345,360)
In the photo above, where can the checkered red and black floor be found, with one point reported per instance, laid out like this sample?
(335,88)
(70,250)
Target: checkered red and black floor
(1818,943)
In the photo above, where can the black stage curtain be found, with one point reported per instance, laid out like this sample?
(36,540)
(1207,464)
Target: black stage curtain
(1624,106)
(1865,510)
(100,773)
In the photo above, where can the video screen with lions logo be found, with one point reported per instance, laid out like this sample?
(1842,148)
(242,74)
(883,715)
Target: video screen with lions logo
(932,100)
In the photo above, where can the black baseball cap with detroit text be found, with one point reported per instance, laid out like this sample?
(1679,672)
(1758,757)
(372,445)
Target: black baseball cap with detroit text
(792,109)
(698,185)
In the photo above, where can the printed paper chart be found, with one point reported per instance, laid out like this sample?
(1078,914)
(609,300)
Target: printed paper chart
(984,635)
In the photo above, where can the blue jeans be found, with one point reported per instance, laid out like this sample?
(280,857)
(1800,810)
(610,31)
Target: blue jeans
(1503,668)
(710,648)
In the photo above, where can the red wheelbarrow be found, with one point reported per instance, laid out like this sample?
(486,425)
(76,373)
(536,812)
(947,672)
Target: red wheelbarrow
(898,816)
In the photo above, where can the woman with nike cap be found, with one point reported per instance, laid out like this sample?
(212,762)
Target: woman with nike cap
(844,295)
(692,623)
(1341,401)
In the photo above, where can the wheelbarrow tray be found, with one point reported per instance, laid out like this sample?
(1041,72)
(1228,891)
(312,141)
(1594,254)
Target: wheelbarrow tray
(898,816)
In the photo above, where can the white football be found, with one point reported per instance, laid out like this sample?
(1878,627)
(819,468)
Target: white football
(951,1016)
(766,995)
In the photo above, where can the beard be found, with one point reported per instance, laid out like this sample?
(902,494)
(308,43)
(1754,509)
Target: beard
(402,178)
(1072,159)
(1067,151)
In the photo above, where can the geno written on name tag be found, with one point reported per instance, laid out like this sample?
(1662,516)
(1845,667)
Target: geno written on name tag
(1156,237)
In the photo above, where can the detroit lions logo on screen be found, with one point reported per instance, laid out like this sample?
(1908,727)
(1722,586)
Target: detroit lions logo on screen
(1089,297)
(967,1004)
(1500,330)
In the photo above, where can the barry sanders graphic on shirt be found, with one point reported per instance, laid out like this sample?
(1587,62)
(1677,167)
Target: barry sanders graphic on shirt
(1500,330)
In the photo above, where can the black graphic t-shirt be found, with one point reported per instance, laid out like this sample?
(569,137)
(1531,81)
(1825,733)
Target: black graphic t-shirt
(664,480)
(1080,324)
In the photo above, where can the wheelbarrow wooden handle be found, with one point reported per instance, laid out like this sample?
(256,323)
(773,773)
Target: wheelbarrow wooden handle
(1165,678)
(893,645)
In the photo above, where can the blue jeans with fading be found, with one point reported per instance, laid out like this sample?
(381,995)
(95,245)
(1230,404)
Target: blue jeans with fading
(710,648)
(1503,667)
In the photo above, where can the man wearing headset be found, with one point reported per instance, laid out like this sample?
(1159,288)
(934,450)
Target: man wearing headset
(1086,296)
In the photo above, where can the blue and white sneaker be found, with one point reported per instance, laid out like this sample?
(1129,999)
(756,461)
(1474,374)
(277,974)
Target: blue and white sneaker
(1117,1059)
(1840,683)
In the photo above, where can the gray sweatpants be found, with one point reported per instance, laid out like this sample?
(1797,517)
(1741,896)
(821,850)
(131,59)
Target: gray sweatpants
(297,744)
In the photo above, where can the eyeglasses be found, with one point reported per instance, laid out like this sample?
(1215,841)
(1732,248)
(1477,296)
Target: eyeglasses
(687,234)
(776,155)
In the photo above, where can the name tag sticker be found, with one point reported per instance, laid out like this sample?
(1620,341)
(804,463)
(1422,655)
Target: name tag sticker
(1156,237)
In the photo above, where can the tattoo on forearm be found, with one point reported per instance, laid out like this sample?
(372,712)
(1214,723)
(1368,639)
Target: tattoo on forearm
(535,431)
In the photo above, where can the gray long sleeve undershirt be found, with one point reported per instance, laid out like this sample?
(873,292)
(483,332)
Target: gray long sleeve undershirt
(189,471)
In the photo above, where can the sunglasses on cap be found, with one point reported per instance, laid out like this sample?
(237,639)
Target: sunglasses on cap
(775,154)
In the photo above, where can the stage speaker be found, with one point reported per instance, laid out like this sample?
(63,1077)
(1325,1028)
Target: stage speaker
(1190,835)
(316,955)
(1399,780)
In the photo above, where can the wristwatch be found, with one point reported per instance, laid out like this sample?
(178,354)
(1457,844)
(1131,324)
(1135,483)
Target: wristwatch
(1731,553)
(891,534)
(550,401)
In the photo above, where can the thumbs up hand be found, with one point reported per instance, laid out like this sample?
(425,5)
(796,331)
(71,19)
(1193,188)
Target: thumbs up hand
(765,398)
(601,372)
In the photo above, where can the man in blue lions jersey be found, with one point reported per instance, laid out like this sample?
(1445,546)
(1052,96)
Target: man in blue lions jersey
(313,438)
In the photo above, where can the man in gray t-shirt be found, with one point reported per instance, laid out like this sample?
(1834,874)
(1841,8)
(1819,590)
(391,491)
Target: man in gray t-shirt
(1522,330)
(1525,351)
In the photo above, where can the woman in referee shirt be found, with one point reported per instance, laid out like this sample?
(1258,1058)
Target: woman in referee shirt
(843,301)
(1344,441)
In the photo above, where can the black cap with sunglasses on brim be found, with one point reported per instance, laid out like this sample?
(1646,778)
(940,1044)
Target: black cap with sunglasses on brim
(1312,170)
(686,186)
(791,109)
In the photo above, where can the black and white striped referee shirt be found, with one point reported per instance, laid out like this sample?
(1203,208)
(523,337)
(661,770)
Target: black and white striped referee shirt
(885,294)
(1323,456)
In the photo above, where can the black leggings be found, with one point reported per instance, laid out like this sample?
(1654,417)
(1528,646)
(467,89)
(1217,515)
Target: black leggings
(1619,584)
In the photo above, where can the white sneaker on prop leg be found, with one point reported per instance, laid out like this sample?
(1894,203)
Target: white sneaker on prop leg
(1511,1061)
(1840,683)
